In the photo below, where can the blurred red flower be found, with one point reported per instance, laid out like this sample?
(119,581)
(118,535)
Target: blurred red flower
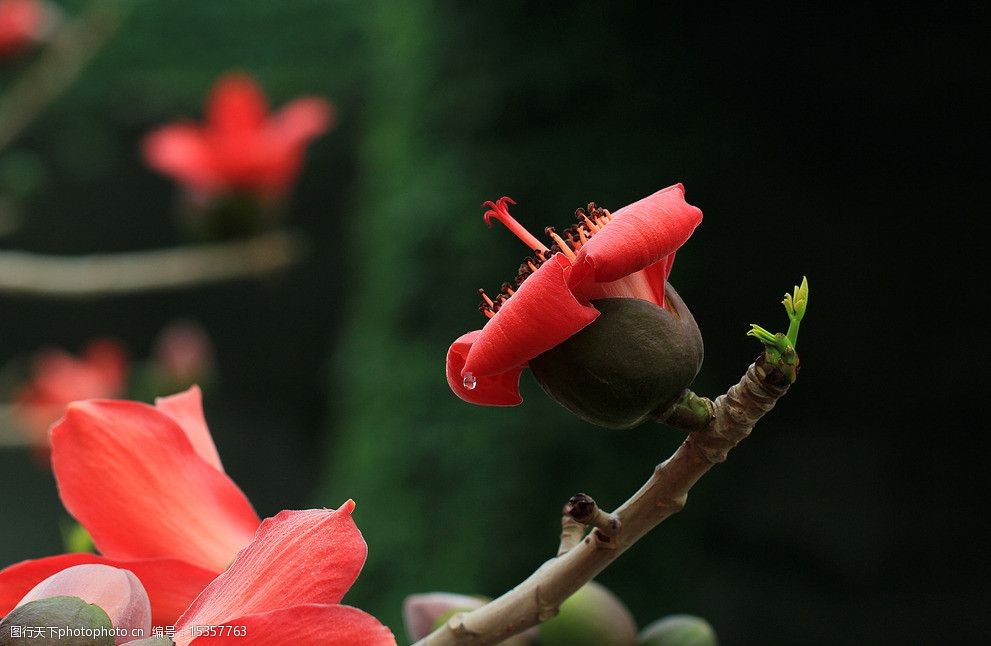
(626,254)
(58,378)
(148,485)
(22,23)
(182,355)
(241,147)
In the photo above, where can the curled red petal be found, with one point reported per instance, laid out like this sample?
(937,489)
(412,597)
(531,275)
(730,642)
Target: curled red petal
(131,476)
(186,409)
(304,625)
(638,236)
(297,557)
(171,585)
(541,314)
(501,389)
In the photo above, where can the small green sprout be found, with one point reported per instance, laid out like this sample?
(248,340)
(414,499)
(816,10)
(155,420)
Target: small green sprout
(779,349)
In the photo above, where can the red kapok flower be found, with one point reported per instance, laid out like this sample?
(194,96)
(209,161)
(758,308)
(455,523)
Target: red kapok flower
(183,354)
(59,378)
(241,147)
(611,269)
(22,23)
(148,485)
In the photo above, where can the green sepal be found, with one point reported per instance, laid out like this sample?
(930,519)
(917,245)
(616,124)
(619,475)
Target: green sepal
(56,613)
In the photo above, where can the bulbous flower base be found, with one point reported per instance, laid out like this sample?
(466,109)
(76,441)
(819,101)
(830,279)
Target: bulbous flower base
(630,364)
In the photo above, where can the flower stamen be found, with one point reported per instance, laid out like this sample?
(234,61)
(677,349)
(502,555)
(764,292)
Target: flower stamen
(583,218)
(589,221)
(500,212)
(564,247)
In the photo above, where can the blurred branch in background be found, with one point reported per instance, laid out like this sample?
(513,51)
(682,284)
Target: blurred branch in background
(71,48)
(24,272)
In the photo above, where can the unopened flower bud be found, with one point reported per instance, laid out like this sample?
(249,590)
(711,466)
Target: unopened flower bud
(116,592)
(678,630)
(425,613)
(422,613)
(628,365)
(593,616)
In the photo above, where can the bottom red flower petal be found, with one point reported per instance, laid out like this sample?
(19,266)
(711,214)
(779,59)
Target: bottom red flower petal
(305,625)
(502,389)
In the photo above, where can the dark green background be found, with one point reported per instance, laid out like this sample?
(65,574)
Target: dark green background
(842,146)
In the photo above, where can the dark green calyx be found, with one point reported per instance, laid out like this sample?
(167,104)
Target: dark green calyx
(629,365)
(229,216)
(57,621)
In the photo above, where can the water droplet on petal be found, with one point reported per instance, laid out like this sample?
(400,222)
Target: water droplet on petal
(470,382)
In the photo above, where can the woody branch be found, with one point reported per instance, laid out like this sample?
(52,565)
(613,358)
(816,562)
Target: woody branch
(23,272)
(716,427)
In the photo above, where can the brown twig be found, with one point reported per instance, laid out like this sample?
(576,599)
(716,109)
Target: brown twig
(572,533)
(538,598)
(583,509)
(23,272)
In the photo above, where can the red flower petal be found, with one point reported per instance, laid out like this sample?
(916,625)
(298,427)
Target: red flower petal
(182,152)
(502,389)
(541,314)
(186,408)
(301,120)
(171,585)
(236,104)
(638,236)
(657,274)
(297,557)
(304,625)
(131,476)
